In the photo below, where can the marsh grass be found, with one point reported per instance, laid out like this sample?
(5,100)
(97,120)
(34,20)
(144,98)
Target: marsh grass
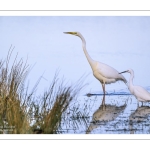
(78,116)
(52,106)
(23,112)
(13,116)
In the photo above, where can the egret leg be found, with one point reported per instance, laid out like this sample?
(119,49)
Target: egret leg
(103,101)
(142,103)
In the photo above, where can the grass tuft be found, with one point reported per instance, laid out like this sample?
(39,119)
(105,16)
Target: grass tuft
(22,112)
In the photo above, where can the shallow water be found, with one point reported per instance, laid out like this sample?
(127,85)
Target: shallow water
(121,115)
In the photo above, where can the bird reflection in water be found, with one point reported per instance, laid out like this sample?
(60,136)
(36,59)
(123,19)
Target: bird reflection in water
(104,114)
(138,117)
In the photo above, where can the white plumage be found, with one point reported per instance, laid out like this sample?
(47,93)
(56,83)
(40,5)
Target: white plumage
(139,92)
(104,73)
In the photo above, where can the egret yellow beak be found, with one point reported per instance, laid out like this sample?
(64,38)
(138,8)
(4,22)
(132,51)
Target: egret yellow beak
(74,33)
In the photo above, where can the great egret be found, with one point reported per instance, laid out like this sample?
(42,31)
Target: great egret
(104,73)
(139,92)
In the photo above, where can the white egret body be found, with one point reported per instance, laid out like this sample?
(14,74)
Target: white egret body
(104,73)
(139,92)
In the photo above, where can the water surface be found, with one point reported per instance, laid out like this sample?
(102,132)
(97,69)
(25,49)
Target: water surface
(120,115)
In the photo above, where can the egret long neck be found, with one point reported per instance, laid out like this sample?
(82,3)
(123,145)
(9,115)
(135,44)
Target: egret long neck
(131,82)
(90,60)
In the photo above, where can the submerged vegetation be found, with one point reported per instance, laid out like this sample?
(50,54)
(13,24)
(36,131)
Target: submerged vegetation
(23,112)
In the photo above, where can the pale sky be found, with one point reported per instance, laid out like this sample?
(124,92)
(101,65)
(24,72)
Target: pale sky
(121,42)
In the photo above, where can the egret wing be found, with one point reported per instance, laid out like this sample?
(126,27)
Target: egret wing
(141,93)
(108,71)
